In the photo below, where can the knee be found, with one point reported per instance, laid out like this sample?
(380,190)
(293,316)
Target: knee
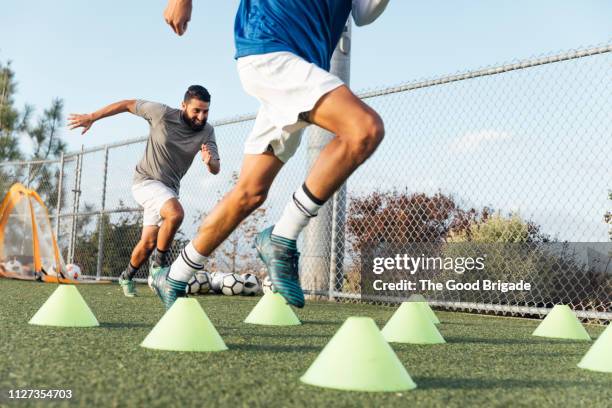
(369,132)
(176,216)
(249,199)
(149,244)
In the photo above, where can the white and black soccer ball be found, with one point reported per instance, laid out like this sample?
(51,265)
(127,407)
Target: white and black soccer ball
(73,271)
(232,284)
(252,285)
(193,286)
(204,278)
(14,266)
(267,285)
(216,281)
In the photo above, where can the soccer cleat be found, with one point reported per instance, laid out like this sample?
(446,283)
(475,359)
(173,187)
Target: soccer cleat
(167,288)
(128,286)
(154,270)
(281,258)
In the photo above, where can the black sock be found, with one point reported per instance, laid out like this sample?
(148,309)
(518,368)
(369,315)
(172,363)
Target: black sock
(130,272)
(161,257)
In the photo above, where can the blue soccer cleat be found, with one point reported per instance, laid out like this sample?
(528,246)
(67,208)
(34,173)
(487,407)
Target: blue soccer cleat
(281,257)
(166,288)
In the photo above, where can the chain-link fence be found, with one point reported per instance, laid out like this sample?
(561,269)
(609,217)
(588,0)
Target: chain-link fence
(513,162)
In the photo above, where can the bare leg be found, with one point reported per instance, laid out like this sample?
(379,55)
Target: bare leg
(145,246)
(358,129)
(256,177)
(172,215)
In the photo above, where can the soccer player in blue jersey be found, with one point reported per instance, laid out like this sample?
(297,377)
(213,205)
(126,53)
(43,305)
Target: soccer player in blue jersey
(283,52)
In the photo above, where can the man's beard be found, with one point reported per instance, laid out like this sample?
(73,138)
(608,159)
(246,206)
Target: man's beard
(192,123)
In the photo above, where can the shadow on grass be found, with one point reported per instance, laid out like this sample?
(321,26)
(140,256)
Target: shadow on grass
(323,322)
(466,340)
(444,323)
(481,383)
(121,325)
(293,336)
(298,348)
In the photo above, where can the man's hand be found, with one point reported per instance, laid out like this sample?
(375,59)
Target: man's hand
(206,156)
(177,15)
(76,120)
(213,164)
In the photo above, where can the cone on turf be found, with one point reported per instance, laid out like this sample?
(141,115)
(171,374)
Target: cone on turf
(272,310)
(358,358)
(66,308)
(184,327)
(599,356)
(411,324)
(561,323)
(420,299)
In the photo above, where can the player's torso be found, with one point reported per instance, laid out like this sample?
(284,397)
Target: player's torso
(311,29)
(176,138)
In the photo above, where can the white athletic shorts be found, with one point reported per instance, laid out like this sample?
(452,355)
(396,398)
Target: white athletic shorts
(286,86)
(152,195)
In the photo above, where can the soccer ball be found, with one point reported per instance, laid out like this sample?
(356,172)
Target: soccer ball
(232,284)
(14,266)
(194,284)
(73,271)
(251,284)
(267,285)
(204,278)
(216,281)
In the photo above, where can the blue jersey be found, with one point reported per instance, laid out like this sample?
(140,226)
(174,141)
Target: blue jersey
(308,28)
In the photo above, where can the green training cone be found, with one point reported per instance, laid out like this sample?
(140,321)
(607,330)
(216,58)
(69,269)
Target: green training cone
(599,356)
(65,307)
(272,310)
(358,358)
(184,327)
(418,298)
(410,324)
(561,323)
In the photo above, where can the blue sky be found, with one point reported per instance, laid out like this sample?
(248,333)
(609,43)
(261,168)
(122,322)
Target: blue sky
(93,53)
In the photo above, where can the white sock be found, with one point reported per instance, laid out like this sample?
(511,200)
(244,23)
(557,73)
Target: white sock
(188,262)
(298,211)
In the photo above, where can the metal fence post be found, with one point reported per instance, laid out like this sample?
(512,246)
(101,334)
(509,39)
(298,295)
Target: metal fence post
(29,175)
(58,208)
(75,205)
(101,218)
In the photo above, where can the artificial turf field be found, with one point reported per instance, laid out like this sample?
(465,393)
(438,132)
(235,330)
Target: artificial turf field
(488,361)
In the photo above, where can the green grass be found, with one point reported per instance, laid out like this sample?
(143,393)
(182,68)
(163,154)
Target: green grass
(488,361)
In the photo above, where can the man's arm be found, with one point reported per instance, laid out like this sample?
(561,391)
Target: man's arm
(85,120)
(366,11)
(213,163)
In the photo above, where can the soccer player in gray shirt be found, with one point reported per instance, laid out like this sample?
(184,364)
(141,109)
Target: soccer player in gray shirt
(176,136)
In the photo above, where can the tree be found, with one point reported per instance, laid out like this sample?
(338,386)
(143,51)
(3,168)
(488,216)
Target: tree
(402,217)
(44,134)
(11,120)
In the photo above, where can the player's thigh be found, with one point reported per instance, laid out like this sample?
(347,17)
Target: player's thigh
(341,112)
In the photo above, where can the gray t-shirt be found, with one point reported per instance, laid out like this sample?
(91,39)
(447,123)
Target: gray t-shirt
(172,145)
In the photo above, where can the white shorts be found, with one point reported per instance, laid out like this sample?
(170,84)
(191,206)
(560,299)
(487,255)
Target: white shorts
(152,195)
(286,86)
